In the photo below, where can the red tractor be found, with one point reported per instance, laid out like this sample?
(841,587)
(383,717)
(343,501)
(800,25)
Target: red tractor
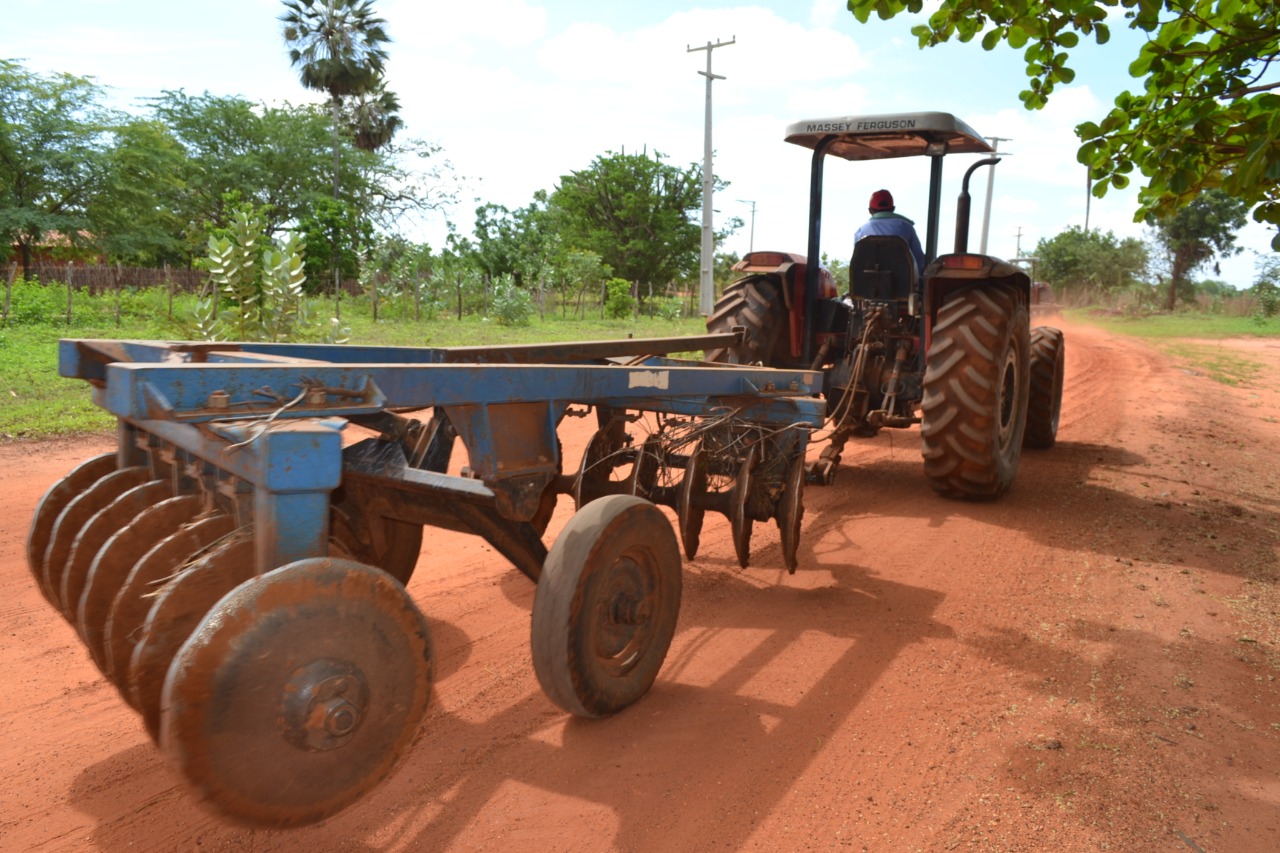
(949,347)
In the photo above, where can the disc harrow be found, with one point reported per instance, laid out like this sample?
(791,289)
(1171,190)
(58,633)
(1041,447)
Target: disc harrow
(237,567)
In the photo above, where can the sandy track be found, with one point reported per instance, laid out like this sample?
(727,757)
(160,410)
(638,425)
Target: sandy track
(1087,664)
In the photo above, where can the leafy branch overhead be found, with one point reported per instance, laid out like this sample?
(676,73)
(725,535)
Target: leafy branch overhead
(1206,116)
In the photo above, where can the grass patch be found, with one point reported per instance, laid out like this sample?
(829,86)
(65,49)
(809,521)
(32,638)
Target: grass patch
(35,402)
(1219,364)
(1182,325)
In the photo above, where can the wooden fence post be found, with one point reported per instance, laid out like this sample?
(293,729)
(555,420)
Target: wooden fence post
(8,290)
(69,289)
(119,276)
(169,282)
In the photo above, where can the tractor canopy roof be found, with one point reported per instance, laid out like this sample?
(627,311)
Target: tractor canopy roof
(878,137)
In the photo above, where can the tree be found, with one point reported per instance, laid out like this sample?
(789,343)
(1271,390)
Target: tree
(337,46)
(54,139)
(1192,236)
(134,214)
(635,212)
(1204,117)
(373,118)
(1090,260)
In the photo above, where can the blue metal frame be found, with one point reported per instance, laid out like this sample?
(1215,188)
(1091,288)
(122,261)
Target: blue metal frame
(272,415)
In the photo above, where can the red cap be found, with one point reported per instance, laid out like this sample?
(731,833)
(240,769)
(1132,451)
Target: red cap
(881,200)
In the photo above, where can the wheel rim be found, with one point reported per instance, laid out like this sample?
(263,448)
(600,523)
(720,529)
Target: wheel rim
(621,624)
(1008,397)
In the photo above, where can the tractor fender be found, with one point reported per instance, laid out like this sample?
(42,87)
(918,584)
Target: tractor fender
(948,273)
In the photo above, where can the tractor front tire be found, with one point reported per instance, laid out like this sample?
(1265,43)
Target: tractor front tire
(975,393)
(1044,402)
(755,303)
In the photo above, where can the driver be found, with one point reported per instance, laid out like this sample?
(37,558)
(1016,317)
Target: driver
(885,223)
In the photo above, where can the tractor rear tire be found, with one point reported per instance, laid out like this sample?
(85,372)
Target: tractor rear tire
(975,393)
(756,304)
(1044,402)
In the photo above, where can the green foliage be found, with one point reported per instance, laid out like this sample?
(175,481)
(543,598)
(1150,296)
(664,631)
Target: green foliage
(636,213)
(54,142)
(512,305)
(1204,116)
(257,287)
(337,45)
(1092,260)
(1191,237)
(618,301)
(669,307)
(1266,289)
(334,233)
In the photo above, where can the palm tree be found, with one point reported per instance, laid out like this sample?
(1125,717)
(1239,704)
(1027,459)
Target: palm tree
(372,117)
(338,48)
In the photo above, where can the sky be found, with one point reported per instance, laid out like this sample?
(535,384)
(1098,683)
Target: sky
(521,92)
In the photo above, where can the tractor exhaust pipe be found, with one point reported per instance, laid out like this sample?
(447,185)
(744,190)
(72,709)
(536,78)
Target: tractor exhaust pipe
(962,205)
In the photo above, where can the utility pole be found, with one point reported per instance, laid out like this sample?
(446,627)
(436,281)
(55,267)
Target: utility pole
(706,281)
(752,244)
(1088,195)
(1019,243)
(991,178)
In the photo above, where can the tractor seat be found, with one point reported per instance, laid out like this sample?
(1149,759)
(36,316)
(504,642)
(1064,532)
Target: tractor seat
(882,269)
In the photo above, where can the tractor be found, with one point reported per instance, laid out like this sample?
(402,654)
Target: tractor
(949,347)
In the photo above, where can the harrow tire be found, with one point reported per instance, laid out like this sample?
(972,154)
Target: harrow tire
(606,606)
(1044,401)
(975,393)
(756,304)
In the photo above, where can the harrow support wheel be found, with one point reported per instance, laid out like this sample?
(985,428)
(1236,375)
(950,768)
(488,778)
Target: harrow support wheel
(116,560)
(689,512)
(179,607)
(52,504)
(299,693)
(77,513)
(136,596)
(1044,402)
(790,512)
(975,393)
(606,606)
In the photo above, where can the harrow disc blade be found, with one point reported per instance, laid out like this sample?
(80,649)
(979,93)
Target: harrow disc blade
(179,607)
(105,523)
(790,512)
(51,506)
(689,511)
(115,561)
(299,693)
(134,600)
(77,513)
(740,520)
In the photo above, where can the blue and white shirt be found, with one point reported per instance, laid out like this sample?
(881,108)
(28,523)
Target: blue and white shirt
(889,224)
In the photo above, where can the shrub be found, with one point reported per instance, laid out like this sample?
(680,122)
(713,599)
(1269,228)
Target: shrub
(618,302)
(512,306)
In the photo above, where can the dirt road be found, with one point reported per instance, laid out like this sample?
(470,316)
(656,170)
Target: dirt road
(1089,664)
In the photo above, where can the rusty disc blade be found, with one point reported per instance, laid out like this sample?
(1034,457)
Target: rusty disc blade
(116,559)
(740,520)
(53,503)
(299,693)
(178,608)
(78,511)
(133,602)
(689,512)
(105,523)
(790,512)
